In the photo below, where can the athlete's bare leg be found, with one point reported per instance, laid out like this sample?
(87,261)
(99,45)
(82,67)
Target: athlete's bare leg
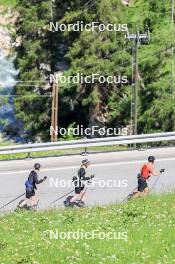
(75,198)
(25,202)
(146,191)
(34,201)
(137,194)
(141,194)
(82,195)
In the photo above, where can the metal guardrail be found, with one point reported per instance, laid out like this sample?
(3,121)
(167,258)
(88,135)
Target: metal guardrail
(85,143)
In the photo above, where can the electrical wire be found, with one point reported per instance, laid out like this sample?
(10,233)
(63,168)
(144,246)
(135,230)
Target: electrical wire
(19,95)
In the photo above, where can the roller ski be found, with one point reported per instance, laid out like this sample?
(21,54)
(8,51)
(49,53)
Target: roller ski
(26,206)
(75,204)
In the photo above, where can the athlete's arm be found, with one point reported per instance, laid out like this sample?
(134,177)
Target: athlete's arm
(155,173)
(36,179)
(86,178)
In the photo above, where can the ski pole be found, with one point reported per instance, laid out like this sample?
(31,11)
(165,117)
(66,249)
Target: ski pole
(161,171)
(12,201)
(128,195)
(62,197)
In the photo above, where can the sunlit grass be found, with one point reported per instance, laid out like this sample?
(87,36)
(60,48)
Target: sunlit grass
(7,2)
(57,153)
(149,224)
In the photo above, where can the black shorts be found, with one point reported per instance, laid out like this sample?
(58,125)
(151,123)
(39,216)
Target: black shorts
(79,189)
(29,193)
(142,184)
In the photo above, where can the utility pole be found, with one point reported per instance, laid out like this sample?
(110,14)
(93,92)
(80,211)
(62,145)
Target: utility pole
(172,66)
(52,2)
(131,93)
(138,39)
(54,87)
(136,86)
(54,112)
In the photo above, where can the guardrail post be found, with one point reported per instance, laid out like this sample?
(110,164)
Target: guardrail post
(28,155)
(85,152)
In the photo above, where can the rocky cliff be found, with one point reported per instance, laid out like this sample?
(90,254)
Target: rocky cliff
(7,20)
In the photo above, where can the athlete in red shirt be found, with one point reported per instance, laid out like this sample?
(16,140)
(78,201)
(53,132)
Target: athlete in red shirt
(147,171)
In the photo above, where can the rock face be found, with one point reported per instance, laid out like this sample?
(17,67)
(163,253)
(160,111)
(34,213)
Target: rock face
(7,20)
(8,122)
(126,2)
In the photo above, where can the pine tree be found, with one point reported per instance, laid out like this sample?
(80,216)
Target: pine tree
(34,62)
(100,53)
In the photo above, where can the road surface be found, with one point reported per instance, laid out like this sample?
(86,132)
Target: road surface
(115,176)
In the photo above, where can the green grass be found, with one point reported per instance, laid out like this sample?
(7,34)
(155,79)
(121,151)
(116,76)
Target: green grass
(58,153)
(149,223)
(7,2)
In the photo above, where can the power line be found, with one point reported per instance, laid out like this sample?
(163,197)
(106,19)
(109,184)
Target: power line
(88,5)
(19,95)
(157,53)
(31,81)
(29,85)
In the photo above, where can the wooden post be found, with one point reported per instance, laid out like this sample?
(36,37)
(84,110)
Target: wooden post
(53,112)
(56,110)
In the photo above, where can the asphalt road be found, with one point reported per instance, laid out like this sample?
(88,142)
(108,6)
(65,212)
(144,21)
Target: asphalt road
(115,176)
